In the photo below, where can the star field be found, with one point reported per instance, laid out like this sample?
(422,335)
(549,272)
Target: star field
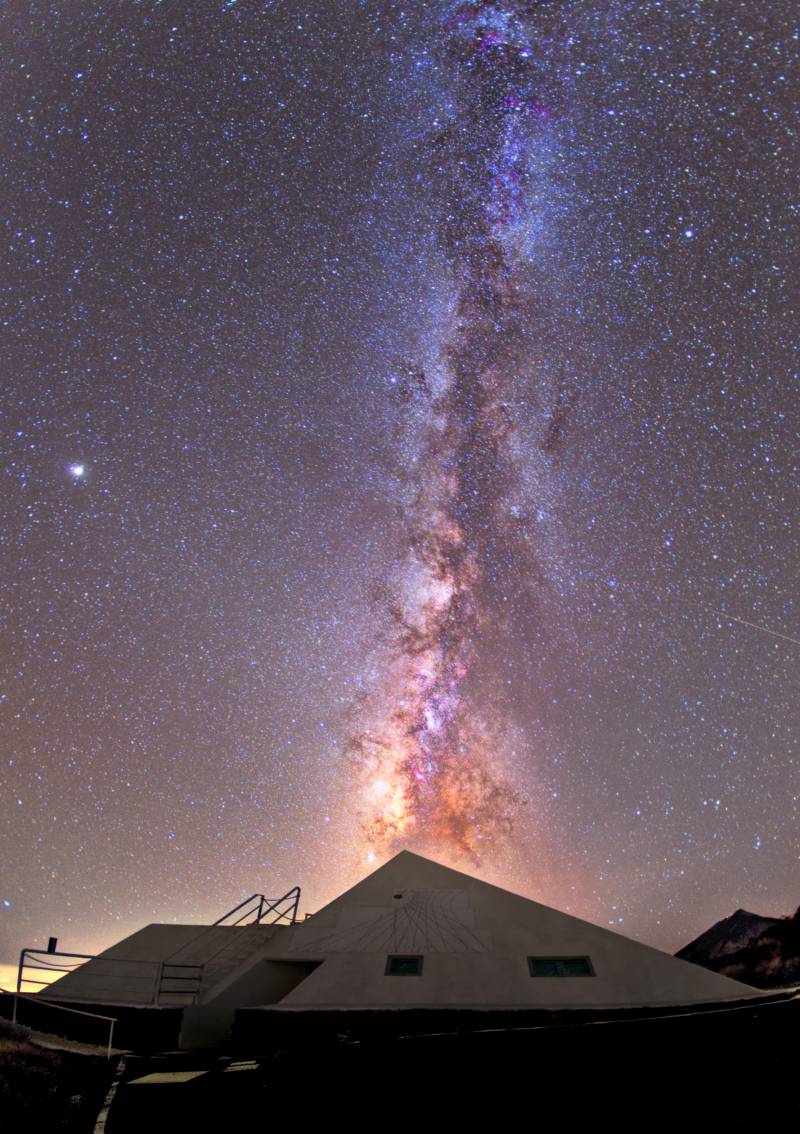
(224,266)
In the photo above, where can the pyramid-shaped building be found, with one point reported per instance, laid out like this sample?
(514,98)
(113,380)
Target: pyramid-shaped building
(412,935)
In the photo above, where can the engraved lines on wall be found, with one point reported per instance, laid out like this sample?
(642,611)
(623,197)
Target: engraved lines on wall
(427,921)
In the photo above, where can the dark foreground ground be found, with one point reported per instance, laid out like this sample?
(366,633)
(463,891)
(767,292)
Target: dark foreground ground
(43,1090)
(736,1067)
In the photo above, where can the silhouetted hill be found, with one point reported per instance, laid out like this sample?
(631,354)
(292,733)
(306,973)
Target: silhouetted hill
(760,951)
(727,936)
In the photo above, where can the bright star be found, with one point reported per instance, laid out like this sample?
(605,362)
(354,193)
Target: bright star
(77,471)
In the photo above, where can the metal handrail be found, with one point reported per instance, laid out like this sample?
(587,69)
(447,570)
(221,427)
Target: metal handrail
(40,954)
(112,1020)
(265,907)
(195,977)
(156,968)
(236,909)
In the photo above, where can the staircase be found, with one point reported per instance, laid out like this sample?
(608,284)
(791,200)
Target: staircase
(165,965)
(193,971)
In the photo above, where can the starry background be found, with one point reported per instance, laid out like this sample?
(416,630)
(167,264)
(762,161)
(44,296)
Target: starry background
(218,252)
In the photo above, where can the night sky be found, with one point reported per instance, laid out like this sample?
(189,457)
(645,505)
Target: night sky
(399,450)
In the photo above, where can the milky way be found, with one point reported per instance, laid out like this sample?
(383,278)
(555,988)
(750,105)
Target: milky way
(432,762)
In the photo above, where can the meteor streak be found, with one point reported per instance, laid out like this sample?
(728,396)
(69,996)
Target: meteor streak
(752,625)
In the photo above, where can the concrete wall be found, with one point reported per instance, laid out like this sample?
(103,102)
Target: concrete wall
(263,982)
(129,972)
(475,939)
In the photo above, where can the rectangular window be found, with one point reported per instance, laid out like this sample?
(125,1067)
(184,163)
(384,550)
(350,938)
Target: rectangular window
(403,966)
(560,966)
